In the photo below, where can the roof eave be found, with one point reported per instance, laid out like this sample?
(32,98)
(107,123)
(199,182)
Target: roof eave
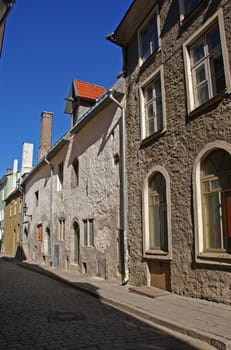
(132,20)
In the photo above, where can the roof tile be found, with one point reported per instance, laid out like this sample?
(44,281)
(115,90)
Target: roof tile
(88,91)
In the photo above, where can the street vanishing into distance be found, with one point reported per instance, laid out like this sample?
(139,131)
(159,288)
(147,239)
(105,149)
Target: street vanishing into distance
(39,312)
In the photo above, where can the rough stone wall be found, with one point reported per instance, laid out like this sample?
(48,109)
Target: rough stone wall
(175,150)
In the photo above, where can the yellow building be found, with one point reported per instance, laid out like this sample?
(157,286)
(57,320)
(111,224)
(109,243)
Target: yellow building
(12,224)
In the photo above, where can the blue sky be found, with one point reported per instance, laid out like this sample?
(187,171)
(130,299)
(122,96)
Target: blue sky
(48,43)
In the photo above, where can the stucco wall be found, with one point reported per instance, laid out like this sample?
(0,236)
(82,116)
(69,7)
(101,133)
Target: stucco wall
(96,197)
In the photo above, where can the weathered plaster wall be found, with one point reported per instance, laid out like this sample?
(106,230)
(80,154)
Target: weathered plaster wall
(96,197)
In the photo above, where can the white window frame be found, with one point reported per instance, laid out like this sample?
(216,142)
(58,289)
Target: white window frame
(155,12)
(158,74)
(156,254)
(88,241)
(216,19)
(215,258)
(62,223)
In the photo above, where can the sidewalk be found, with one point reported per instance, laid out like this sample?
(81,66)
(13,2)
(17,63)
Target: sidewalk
(199,319)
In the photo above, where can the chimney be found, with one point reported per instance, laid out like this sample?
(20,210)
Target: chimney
(45,133)
(15,170)
(27,158)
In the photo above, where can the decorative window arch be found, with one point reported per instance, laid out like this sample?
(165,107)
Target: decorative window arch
(157,214)
(212,203)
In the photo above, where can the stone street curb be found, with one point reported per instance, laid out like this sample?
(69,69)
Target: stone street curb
(210,339)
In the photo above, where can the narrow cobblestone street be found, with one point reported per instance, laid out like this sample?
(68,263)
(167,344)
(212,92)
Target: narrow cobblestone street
(38,312)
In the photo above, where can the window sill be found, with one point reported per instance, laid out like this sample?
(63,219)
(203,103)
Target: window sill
(215,258)
(210,103)
(150,139)
(157,255)
(143,63)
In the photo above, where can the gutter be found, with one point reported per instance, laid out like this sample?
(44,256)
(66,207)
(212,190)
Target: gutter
(123,218)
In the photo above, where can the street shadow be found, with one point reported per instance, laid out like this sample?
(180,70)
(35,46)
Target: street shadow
(148,336)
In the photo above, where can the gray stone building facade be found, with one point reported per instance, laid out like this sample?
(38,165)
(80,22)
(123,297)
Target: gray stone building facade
(177,58)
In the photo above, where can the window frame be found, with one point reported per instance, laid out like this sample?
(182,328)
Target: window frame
(88,234)
(202,256)
(158,74)
(62,229)
(216,19)
(155,253)
(146,23)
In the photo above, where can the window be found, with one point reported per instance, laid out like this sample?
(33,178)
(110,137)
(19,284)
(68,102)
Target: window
(152,106)
(75,173)
(88,233)
(148,37)
(36,198)
(40,232)
(212,203)
(216,201)
(157,214)
(205,65)
(187,6)
(60,177)
(61,229)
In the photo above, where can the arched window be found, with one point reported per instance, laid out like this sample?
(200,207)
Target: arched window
(216,201)
(157,212)
(157,216)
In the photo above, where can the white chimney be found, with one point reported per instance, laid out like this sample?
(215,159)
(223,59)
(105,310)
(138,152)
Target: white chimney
(15,170)
(27,158)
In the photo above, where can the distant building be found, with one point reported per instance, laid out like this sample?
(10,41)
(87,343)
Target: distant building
(177,58)
(10,202)
(7,185)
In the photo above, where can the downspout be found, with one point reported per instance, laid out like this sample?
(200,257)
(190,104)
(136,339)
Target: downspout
(21,190)
(51,203)
(123,218)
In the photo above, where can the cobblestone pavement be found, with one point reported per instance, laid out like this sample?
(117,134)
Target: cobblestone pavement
(37,312)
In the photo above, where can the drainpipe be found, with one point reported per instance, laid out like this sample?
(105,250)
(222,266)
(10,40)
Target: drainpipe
(123,218)
(51,203)
(21,190)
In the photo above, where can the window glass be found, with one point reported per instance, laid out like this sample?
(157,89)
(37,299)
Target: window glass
(189,5)
(157,213)
(216,201)
(153,108)
(207,67)
(149,38)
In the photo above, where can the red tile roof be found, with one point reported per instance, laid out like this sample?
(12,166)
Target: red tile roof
(88,91)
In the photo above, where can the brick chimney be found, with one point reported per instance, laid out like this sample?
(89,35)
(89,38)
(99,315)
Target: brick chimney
(45,133)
